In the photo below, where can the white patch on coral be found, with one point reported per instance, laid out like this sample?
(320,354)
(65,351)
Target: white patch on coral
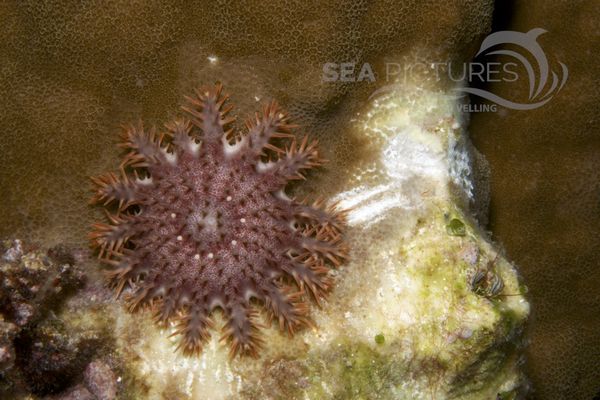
(461,171)
(414,154)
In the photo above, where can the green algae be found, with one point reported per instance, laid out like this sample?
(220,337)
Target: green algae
(359,371)
(456,227)
(447,359)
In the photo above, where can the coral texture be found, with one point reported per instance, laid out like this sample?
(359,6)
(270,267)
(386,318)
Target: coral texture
(202,222)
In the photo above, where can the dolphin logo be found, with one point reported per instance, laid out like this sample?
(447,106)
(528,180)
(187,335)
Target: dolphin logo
(527,41)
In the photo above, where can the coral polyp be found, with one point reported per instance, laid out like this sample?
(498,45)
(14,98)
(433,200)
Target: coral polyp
(198,220)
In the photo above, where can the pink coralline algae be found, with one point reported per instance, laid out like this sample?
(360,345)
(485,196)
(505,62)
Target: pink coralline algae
(199,220)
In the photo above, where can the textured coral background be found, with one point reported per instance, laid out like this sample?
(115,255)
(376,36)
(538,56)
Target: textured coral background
(545,206)
(72,72)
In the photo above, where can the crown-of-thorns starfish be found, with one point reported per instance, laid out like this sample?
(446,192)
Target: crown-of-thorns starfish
(200,220)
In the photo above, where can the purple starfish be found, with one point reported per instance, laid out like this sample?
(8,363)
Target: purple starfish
(201,221)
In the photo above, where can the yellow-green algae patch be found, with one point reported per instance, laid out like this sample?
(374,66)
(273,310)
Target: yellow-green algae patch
(409,281)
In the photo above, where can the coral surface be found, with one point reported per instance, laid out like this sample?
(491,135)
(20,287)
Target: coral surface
(208,224)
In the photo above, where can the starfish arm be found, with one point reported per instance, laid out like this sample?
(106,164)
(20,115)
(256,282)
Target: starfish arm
(193,326)
(312,274)
(287,307)
(110,238)
(271,123)
(324,243)
(166,309)
(180,131)
(207,111)
(145,148)
(242,330)
(109,188)
(318,215)
(298,157)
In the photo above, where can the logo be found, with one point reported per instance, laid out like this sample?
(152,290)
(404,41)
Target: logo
(537,75)
(504,52)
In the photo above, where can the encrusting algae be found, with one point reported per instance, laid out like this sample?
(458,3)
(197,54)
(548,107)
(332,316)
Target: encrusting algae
(200,221)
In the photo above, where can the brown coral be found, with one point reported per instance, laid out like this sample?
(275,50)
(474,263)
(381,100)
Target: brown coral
(202,222)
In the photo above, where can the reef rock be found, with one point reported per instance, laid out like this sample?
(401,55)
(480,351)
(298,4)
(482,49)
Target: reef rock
(427,307)
(42,351)
(101,380)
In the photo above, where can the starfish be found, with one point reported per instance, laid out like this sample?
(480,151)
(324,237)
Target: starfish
(200,221)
